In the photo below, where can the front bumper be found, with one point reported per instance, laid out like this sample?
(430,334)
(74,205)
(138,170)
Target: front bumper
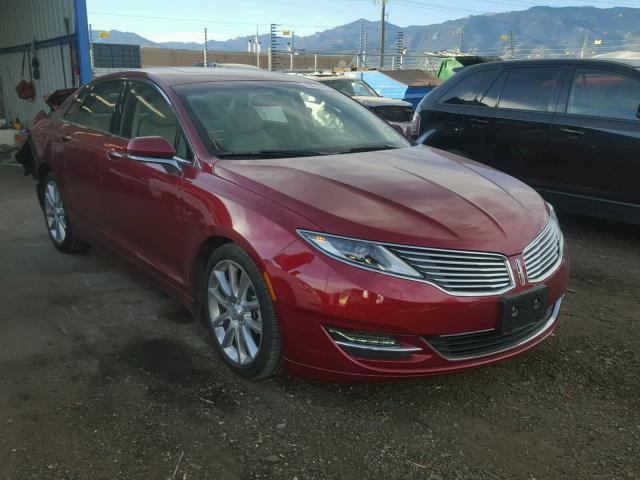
(316,293)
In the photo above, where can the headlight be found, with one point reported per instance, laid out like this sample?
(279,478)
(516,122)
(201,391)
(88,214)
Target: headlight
(360,253)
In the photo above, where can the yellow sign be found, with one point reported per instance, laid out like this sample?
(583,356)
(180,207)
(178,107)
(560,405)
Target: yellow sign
(504,37)
(286,33)
(103,34)
(597,42)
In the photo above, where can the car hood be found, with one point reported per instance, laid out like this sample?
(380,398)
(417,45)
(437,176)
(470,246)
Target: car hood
(380,101)
(414,196)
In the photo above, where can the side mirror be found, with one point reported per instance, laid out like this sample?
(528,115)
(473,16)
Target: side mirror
(154,150)
(638,112)
(150,147)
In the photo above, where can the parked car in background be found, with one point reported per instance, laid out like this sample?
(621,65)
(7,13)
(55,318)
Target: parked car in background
(304,230)
(396,112)
(569,128)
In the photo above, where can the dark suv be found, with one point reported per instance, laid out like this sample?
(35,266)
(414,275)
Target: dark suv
(569,128)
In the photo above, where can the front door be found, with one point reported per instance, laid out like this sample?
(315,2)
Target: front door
(509,128)
(143,201)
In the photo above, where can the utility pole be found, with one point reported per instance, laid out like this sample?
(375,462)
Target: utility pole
(273,47)
(383,20)
(512,44)
(204,52)
(366,47)
(361,50)
(461,43)
(584,46)
(292,50)
(257,42)
(400,51)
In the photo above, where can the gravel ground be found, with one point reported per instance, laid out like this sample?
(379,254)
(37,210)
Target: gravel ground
(102,376)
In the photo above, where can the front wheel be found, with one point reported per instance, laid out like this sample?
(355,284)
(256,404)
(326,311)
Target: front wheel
(57,219)
(239,312)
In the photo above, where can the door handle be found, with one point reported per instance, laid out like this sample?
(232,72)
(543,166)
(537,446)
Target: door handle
(479,121)
(64,138)
(572,133)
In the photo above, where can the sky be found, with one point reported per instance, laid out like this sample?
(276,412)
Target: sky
(185,20)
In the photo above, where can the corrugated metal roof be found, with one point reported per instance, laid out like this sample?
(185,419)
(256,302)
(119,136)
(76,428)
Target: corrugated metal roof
(22,21)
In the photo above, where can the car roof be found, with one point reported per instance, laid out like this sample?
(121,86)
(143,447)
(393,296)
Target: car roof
(171,76)
(551,61)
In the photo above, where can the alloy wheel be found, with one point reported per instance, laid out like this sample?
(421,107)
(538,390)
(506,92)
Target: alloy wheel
(234,312)
(55,212)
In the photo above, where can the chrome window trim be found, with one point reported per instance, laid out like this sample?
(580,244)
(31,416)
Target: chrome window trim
(545,328)
(507,288)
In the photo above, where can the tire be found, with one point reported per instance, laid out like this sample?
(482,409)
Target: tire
(56,218)
(240,313)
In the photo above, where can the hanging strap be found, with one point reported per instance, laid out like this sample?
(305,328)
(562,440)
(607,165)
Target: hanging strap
(29,68)
(24,57)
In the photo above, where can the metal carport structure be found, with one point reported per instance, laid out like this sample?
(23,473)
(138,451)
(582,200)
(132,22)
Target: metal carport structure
(57,30)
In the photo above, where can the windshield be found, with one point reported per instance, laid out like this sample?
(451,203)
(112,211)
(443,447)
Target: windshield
(352,87)
(279,119)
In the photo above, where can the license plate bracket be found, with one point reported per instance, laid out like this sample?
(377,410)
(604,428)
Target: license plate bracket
(522,309)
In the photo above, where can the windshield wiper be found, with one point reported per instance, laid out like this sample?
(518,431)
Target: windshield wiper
(270,154)
(369,148)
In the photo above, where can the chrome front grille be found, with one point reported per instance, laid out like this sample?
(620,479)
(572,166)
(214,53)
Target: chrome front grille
(459,272)
(543,256)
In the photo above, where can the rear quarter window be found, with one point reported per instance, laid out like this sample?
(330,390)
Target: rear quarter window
(470,89)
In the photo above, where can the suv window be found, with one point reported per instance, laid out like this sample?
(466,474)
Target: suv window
(530,88)
(470,88)
(147,113)
(96,106)
(601,93)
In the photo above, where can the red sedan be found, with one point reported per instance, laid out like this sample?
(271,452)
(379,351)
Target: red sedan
(304,230)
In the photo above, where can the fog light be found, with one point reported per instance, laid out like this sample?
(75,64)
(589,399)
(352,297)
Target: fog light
(370,345)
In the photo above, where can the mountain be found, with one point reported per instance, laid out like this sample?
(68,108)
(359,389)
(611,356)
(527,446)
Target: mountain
(536,30)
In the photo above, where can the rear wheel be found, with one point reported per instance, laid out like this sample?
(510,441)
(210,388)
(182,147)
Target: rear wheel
(240,314)
(56,218)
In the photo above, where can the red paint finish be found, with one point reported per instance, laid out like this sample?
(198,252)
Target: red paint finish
(160,219)
(150,147)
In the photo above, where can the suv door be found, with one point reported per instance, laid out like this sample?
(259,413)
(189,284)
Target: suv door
(86,133)
(442,124)
(595,138)
(143,207)
(509,127)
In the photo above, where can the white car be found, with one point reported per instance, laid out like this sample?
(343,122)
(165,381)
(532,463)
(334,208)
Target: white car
(396,112)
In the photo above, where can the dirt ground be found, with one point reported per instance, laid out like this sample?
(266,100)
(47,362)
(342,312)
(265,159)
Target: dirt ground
(102,376)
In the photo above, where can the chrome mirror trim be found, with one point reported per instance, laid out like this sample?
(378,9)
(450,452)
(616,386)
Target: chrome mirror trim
(176,163)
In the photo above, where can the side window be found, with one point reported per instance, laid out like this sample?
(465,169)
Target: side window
(96,109)
(490,98)
(147,114)
(469,89)
(73,112)
(530,88)
(604,94)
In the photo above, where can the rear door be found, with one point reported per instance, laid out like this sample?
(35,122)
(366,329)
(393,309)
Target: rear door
(85,134)
(595,138)
(509,127)
(143,207)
